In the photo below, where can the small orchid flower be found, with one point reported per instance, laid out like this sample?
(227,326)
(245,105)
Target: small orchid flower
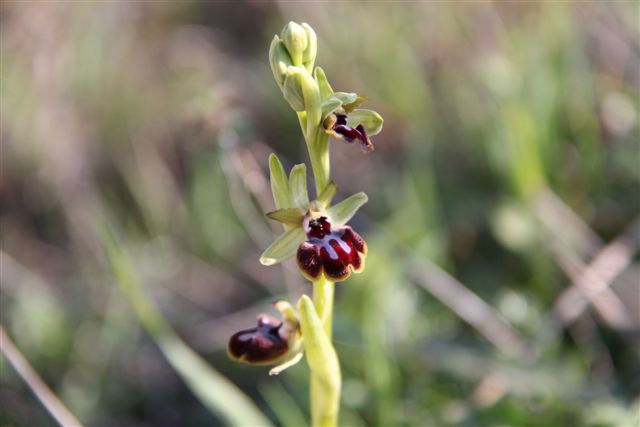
(316,234)
(271,341)
(265,343)
(343,120)
(333,252)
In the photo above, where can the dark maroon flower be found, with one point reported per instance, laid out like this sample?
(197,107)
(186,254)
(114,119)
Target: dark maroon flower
(264,344)
(336,125)
(334,252)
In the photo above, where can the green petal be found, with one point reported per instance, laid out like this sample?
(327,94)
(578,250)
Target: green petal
(290,216)
(284,247)
(349,100)
(330,105)
(327,194)
(323,84)
(298,187)
(279,183)
(341,213)
(293,360)
(371,120)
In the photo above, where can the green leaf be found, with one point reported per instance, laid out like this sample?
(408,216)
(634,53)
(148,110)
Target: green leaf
(342,212)
(371,120)
(298,187)
(327,194)
(323,84)
(289,216)
(279,183)
(284,247)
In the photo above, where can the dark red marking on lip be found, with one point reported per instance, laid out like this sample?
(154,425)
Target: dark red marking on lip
(340,129)
(259,345)
(335,252)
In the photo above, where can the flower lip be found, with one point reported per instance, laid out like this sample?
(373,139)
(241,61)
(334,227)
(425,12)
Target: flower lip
(332,251)
(336,125)
(263,344)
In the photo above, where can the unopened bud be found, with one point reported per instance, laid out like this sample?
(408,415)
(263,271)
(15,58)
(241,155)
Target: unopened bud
(292,89)
(294,37)
(279,60)
(309,55)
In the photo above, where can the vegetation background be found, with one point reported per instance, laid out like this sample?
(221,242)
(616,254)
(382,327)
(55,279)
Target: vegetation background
(502,285)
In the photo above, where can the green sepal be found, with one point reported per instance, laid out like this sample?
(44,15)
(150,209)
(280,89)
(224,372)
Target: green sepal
(287,311)
(327,194)
(284,247)
(342,212)
(290,319)
(279,183)
(321,355)
(298,187)
(289,216)
(371,120)
(325,88)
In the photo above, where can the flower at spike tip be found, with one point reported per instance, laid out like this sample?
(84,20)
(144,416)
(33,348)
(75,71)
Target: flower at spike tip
(316,233)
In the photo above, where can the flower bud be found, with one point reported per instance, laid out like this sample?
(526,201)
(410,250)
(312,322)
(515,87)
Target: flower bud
(279,60)
(295,39)
(292,89)
(309,55)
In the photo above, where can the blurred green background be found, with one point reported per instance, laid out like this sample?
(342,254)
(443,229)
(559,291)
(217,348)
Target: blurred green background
(502,284)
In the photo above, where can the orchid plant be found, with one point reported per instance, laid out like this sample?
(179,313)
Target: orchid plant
(327,250)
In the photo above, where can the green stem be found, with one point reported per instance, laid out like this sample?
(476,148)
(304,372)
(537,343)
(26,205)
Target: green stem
(325,394)
(323,301)
(318,146)
(325,381)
